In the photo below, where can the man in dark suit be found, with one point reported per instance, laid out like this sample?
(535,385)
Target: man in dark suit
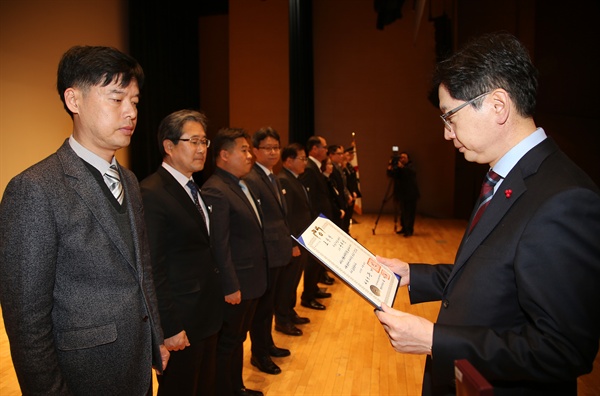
(352,183)
(188,288)
(318,194)
(76,284)
(240,253)
(278,242)
(520,301)
(299,217)
(337,177)
(406,191)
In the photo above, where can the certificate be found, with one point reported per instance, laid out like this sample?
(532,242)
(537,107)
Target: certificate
(350,261)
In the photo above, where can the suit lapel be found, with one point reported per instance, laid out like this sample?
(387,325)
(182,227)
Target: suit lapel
(502,201)
(235,187)
(79,178)
(178,192)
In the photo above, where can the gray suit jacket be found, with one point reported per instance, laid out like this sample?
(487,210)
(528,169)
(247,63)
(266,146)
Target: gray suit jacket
(79,305)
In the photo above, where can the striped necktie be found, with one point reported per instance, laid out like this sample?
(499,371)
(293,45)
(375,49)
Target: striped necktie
(250,199)
(487,191)
(113,180)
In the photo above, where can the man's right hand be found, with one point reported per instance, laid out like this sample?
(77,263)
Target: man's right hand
(178,342)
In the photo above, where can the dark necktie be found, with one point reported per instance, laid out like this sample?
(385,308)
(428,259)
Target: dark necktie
(195,191)
(275,186)
(487,191)
(112,179)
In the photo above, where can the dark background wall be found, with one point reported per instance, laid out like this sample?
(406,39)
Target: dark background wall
(375,82)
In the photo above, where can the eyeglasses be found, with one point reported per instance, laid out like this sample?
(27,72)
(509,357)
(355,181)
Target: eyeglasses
(340,153)
(270,149)
(303,159)
(455,110)
(196,141)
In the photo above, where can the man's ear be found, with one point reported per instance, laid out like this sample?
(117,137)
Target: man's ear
(72,97)
(502,105)
(168,146)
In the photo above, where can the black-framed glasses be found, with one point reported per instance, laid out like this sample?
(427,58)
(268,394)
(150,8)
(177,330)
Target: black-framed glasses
(196,141)
(270,149)
(455,110)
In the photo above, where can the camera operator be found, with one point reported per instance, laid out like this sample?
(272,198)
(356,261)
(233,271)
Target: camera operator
(406,190)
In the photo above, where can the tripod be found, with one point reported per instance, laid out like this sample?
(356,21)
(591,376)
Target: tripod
(389,193)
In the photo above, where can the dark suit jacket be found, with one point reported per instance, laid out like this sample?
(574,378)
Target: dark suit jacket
(299,212)
(237,235)
(318,192)
(521,300)
(79,305)
(186,276)
(275,229)
(352,180)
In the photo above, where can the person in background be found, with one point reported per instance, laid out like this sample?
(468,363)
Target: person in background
(76,287)
(299,218)
(238,246)
(336,196)
(351,184)
(190,298)
(520,302)
(406,192)
(320,203)
(337,178)
(278,242)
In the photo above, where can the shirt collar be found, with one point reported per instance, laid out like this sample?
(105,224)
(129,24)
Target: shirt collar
(510,159)
(91,158)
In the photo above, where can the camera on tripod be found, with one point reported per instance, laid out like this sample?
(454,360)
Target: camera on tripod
(395,159)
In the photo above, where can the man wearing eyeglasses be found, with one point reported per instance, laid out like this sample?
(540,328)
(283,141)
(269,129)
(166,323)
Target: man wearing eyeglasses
(278,243)
(188,288)
(520,301)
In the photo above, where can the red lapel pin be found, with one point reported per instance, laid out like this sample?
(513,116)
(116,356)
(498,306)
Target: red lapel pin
(508,193)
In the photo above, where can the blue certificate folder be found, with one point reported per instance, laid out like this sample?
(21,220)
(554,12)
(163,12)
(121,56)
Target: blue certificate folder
(350,261)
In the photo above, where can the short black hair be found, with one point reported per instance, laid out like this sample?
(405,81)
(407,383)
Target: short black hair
(86,66)
(495,60)
(171,127)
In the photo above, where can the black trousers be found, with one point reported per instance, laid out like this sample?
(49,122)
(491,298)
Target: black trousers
(237,320)
(191,371)
(285,296)
(262,323)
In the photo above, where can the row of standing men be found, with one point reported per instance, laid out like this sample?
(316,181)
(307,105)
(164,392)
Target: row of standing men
(232,238)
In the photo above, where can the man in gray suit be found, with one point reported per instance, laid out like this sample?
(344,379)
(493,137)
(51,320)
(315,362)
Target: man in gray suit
(76,285)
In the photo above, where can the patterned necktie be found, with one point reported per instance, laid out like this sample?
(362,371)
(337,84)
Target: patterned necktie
(487,191)
(249,196)
(195,190)
(112,179)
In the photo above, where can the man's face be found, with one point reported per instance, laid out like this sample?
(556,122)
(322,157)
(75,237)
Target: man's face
(238,160)
(404,158)
(268,152)
(185,156)
(337,156)
(473,131)
(320,151)
(104,118)
(298,164)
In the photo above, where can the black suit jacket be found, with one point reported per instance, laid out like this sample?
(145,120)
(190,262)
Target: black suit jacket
(237,235)
(299,211)
(318,192)
(275,229)
(185,272)
(521,300)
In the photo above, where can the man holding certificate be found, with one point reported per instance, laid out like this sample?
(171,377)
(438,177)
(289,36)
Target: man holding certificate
(520,302)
